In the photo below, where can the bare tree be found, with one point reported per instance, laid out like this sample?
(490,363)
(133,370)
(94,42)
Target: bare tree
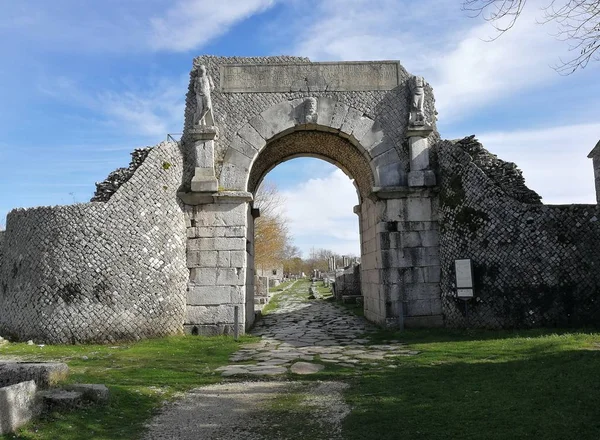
(578,24)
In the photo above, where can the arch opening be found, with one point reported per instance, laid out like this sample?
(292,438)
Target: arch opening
(319,144)
(348,158)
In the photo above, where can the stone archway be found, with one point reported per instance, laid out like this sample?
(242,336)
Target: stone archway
(356,116)
(331,148)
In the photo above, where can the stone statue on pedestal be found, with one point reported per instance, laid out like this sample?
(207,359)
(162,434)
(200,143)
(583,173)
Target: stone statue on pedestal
(417,116)
(202,87)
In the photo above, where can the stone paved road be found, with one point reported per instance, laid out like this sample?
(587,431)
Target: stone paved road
(302,336)
(312,332)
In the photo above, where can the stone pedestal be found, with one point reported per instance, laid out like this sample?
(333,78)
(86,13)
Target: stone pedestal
(420,175)
(204,180)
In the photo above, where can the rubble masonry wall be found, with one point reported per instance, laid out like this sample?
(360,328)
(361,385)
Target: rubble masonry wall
(101,271)
(534,265)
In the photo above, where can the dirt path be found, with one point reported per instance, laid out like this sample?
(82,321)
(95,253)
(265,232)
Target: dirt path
(249,410)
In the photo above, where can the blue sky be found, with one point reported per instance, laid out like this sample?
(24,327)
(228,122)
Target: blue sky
(84,83)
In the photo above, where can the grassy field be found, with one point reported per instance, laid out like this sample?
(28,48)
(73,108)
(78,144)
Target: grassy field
(141,377)
(538,384)
(482,385)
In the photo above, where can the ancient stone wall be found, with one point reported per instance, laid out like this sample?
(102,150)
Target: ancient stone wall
(217,256)
(534,265)
(347,282)
(101,271)
(110,185)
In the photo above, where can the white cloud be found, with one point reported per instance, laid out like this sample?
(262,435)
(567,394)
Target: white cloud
(553,160)
(131,26)
(477,72)
(154,113)
(321,216)
(191,23)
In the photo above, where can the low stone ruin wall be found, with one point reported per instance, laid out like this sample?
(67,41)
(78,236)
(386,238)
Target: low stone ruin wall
(101,271)
(534,265)
(347,282)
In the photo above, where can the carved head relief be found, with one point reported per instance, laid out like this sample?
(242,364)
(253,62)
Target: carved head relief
(310,110)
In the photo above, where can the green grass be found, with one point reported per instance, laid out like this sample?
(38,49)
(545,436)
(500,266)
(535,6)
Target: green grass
(482,385)
(325,291)
(298,290)
(537,384)
(140,376)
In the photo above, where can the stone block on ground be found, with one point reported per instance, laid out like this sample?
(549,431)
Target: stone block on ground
(58,399)
(18,405)
(96,393)
(45,374)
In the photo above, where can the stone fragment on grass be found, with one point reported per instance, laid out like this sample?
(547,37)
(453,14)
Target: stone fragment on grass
(96,393)
(58,399)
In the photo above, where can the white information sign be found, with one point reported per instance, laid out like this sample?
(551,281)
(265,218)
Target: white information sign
(464,274)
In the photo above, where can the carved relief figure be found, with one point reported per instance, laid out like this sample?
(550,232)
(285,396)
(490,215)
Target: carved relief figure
(202,87)
(310,110)
(417,117)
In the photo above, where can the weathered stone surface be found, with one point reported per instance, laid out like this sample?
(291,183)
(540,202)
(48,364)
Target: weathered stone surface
(347,76)
(321,144)
(18,405)
(304,368)
(106,270)
(218,314)
(105,189)
(96,393)
(44,374)
(58,399)
(541,254)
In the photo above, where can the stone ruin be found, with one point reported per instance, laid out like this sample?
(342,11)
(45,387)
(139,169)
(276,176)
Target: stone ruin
(166,245)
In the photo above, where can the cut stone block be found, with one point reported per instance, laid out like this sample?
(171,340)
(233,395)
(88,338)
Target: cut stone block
(421,178)
(59,399)
(96,393)
(18,405)
(45,374)
(419,153)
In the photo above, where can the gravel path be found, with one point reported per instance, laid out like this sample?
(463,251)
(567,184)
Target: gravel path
(243,410)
